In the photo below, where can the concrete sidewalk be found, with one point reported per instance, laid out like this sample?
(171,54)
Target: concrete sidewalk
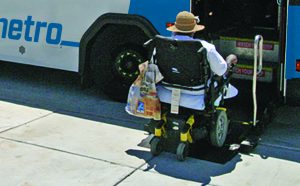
(42,147)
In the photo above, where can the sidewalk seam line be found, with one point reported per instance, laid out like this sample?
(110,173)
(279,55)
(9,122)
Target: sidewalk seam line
(35,119)
(135,169)
(67,152)
(280,146)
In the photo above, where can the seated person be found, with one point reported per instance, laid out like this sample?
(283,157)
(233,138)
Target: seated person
(184,29)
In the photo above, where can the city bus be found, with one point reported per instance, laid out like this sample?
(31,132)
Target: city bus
(102,40)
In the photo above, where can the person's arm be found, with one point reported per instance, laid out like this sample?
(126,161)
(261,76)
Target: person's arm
(217,63)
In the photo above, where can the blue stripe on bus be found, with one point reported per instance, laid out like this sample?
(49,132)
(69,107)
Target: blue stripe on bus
(159,12)
(293,42)
(70,43)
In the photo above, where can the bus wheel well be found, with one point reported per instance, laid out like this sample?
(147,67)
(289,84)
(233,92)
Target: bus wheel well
(115,53)
(108,34)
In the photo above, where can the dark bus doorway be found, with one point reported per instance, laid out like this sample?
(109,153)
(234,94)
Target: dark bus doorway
(232,26)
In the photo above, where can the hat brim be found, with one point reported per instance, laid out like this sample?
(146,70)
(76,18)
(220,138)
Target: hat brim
(195,29)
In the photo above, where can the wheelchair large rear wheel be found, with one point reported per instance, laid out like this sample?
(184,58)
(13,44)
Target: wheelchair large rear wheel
(219,128)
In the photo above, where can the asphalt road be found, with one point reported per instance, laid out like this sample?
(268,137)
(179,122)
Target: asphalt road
(60,91)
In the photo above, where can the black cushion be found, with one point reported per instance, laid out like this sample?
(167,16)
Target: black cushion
(181,62)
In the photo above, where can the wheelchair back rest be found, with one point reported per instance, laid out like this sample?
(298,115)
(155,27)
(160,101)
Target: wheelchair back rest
(180,62)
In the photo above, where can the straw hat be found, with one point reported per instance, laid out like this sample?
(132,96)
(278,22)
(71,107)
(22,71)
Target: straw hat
(185,23)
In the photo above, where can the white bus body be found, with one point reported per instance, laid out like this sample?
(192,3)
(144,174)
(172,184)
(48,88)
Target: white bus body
(27,38)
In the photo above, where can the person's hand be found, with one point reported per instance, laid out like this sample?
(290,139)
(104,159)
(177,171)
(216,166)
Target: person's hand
(231,60)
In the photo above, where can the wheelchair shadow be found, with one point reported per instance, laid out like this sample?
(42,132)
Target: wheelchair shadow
(203,163)
(191,169)
(202,150)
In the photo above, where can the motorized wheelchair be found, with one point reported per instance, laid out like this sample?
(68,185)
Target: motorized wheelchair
(184,67)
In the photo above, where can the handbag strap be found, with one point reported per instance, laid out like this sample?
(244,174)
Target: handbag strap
(153,56)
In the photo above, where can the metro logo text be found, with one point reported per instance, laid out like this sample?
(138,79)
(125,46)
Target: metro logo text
(30,30)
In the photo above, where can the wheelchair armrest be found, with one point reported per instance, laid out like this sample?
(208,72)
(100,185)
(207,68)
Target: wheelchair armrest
(216,78)
(148,43)
(221,82)
(229,74)
(202,49)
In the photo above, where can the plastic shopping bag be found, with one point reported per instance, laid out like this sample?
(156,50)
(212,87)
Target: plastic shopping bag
(142,98)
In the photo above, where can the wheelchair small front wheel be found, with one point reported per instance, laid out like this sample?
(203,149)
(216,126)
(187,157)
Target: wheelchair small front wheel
(218,130)
(182,151)
(156,146)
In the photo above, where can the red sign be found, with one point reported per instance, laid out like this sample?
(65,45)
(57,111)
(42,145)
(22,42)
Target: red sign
(247,44)
(248,72)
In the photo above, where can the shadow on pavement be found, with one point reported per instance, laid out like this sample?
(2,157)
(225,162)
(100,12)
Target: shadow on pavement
(59,91)
(281,139)
(273,151)
(191,169)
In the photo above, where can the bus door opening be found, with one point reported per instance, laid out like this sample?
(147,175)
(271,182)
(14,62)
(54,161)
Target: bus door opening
(232,26)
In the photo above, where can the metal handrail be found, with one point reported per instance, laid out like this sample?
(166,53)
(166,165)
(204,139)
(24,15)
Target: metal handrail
(258,53)
(279,2)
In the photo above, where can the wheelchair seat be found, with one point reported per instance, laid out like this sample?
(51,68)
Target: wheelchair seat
(182,63)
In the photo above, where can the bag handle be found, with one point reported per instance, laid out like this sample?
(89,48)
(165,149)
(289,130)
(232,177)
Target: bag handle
(153,58)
